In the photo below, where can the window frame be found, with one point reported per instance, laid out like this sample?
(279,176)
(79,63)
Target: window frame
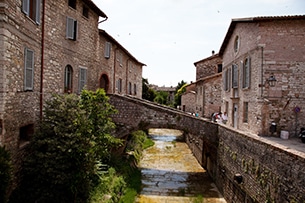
(85,11)
(246,112)
(107,50)
(31,8)
(82,78)
(234,76)
(72,4)
(68,80)
(129,88)
(119,85)
(246,78)
(29,70)
(135,89)
(71,28)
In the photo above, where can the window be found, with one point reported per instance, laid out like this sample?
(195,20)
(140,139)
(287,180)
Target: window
(227,79)
(28,69)
(234,76)
(82,78)
(119,85)
(245,112)
(236,44)
(72,3)
(71,29)
(120,58)
(25,134)
(219,68)
(68,79)
(134,89)
(107,50)
(85,11)
(246,73)
(32,9)
(129,88)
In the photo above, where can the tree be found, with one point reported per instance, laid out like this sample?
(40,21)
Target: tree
(147,92)
(67,151)
(180,89)
(161,97)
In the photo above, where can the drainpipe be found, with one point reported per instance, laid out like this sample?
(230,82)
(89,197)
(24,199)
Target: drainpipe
(114,69)
(127,79)
(42,59)
(106,18)
(262,69)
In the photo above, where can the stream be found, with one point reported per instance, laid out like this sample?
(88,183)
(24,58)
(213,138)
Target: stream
(171,174)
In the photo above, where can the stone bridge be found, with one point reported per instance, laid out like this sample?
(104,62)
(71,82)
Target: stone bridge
(245,167)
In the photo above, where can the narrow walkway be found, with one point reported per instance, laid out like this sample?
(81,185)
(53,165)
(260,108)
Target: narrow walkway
(171,174)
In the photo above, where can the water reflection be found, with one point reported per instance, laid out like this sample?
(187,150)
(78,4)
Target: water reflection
(170,173)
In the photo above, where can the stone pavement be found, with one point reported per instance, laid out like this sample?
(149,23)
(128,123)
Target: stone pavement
(292,144)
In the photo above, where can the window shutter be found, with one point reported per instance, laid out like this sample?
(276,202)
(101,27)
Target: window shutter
(28,69)
(70,28)
(107,50)
(234,76)
(224,82)
(249,72)
(26,6)
(38,4)
(82,78)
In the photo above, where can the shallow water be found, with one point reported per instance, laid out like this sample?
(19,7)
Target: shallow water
(171,174)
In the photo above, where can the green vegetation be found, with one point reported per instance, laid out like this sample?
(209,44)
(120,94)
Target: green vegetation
(198,199)
(70,151)
(5,173)
(180,89)
(162,97)
(124,182)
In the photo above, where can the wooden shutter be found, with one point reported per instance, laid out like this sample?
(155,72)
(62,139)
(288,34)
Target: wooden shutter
(82,78)
(37,17)
(28,69)
(107,50)
(26,6)
(234,76)
(71,28)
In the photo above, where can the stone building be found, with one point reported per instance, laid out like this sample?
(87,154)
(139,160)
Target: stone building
(55,47)
(263,74)
(122,72)
(188,99)
(208,85)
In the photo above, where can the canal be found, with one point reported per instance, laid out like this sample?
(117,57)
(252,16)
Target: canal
(171,174)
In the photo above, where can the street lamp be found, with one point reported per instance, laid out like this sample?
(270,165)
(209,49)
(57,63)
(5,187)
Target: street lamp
(271,81)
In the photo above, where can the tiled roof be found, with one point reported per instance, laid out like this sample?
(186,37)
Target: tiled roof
(95,8)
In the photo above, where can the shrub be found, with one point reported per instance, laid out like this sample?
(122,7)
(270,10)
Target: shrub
(68,152)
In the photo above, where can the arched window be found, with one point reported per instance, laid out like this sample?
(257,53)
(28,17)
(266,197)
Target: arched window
(68,79)
(104,82)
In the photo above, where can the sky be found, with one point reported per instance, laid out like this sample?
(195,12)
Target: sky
(169,36)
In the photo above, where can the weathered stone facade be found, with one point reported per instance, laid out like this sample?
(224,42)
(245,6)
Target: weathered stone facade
(55,47)
(188,99)
(254,50)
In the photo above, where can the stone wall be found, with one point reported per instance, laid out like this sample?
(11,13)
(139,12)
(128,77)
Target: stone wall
(270,172)
(207,67)
(19,108)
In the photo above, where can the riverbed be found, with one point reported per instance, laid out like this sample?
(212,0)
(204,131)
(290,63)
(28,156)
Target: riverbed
(171,174)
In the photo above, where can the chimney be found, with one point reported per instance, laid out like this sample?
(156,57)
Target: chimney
(213,52)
